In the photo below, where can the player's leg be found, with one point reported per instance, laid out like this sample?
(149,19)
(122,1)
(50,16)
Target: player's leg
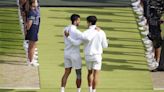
(158,43)
(31,49)
(77,64)
(96,69)
(157,54)
(68,67)
(89,75)
(64,78)
(78,79)
(95,80)
(90,79)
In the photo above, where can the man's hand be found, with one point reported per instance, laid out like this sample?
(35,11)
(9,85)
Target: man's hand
(66,33)
(98,28)
(23,13)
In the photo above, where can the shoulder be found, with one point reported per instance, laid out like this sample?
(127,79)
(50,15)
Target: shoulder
(102,32)
(66,28)
(86,31)
(31,13)
(78,31)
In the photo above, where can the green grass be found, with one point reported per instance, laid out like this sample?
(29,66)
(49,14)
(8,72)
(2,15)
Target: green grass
(10,36)
(124,65)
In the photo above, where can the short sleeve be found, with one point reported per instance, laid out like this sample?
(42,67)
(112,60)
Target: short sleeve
(31,15)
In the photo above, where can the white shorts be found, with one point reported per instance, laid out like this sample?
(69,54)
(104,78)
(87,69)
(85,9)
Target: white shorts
(73,61)
(94,62)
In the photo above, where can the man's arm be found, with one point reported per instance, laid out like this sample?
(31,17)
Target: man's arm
(88,36)
(104,41)
(29,24)
(74,42)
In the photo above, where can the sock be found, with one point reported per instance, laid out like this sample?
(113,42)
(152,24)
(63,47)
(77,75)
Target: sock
(78,89)
(94,90)
(90,89)
(62,89)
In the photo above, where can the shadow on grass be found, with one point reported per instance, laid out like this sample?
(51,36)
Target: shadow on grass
(111,29)
(108,67)
(100,20)
(10,35)
(116,14)
(6,90)
(111,45)
(62,65)
(7,2)
(10,32)
(21,63)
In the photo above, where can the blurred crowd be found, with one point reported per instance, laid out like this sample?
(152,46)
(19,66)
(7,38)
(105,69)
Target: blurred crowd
(149,14)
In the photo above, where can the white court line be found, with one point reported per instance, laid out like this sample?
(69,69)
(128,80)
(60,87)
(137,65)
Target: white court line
(20,88)
(158,88)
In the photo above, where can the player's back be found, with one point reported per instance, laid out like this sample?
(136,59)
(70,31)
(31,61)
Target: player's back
(96,45)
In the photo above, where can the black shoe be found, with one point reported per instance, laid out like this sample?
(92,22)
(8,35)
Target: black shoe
(155,70)
(161,70)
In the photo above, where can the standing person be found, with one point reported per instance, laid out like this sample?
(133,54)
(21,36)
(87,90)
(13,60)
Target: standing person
(24,8)
(161,61)
(72,58)
(155,29)
(23,11)
(33,23)
(93,48)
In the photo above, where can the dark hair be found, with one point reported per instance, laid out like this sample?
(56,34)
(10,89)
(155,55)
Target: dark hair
(31,2)
(92,20)
(74,17)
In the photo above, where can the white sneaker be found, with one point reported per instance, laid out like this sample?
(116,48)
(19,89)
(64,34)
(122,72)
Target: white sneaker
(141,17)
(141,28)
(35,64)
(145,32)
(35,57)
(28,62)
(149,60)
(150,56)
(36,49)
(145,38)
(148,53)
(153,65)
(135,7)
(25,44)
(136,3)
(139,12)
(148,42)
(21,20)
(156,64)
(36,53)
(142,23)
(148,45)
(36,61)
(150,49)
